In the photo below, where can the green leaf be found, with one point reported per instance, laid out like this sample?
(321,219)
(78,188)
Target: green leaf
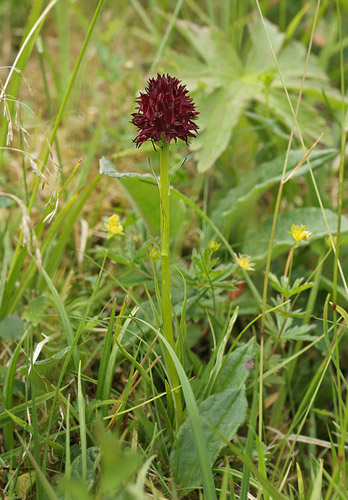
(255,183)
(142,192)
(235,368)
(257,238)
(213,47)
(11,328)
(76,466)
(260,57)
(299,332)
(226,84)
(224,411)
(220,113)
(45,366)
(36,310)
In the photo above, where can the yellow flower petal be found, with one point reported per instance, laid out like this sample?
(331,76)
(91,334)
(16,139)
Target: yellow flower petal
(114,226)
(243,262)
(299,233)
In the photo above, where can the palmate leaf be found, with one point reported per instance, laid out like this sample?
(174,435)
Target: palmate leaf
(257,238)
(226,86)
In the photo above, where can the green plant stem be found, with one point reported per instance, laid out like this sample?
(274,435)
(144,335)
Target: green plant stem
(165,276)
(340,465)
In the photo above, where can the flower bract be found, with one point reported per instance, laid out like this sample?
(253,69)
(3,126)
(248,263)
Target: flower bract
(165,111)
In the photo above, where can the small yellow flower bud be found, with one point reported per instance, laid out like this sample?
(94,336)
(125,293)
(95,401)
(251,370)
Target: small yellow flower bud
(214,246)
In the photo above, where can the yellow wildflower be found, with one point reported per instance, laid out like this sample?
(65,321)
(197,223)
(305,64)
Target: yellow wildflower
(243,262)
(114,226)
(300,233)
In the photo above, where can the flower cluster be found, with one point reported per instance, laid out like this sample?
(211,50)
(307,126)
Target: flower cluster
(165,111)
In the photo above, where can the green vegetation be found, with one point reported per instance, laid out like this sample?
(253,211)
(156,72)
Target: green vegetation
(241,391)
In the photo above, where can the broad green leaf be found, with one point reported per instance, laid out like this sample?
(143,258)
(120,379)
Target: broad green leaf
(220,114)
(142,192)
(225,412)
(36,310)
(311,123)
(226,86)
(213,47)
(257,238)
(255,183)
(260,57)
(76,466)
(292,62)
(11,328)
(235,368)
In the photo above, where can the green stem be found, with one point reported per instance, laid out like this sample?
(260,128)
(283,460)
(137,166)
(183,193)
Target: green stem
(340,465)
(165,276)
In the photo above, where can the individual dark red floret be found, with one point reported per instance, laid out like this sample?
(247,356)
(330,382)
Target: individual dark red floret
(166,111)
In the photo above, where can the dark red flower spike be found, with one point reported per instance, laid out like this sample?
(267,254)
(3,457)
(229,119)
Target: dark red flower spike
(165,111)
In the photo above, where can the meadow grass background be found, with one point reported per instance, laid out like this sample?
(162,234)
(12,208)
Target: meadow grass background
(86,409)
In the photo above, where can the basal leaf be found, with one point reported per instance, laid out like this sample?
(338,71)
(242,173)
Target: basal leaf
(225,412)
(235,368)
(257,238)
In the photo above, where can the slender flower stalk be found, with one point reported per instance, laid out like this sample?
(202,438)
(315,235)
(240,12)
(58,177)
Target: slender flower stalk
(166,305)
(165,112)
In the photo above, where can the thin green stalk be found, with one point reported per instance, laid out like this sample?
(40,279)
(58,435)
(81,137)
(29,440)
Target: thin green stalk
(340,465)
(165,276)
